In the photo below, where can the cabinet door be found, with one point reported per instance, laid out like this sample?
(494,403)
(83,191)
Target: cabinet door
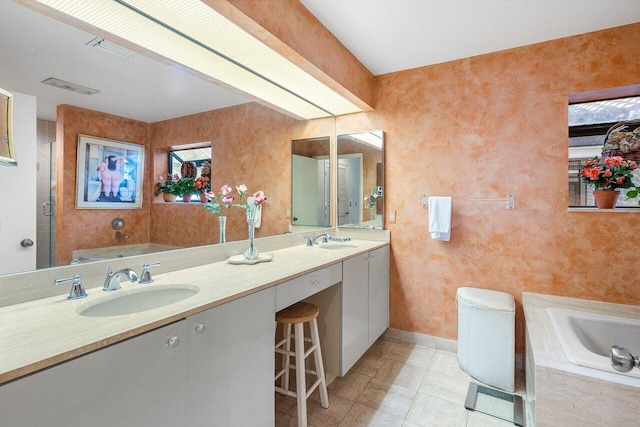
(138,382)
(355,311)
(378,293)
(231,363)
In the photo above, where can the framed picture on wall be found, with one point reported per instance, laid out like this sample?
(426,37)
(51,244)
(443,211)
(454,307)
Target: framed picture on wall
(109,174)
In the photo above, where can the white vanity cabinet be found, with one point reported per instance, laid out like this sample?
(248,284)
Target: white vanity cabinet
(378,293)
(138,382)
(231,363)
(365,304)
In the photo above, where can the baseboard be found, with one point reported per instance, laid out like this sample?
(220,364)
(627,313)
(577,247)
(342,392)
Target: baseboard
(438,343)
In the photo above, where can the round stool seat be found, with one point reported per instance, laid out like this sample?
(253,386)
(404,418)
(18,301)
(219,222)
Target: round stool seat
(297,313)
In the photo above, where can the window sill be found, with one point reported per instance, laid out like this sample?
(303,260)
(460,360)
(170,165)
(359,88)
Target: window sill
(617,210)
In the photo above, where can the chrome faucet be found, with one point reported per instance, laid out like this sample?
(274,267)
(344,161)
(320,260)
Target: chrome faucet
(77,289)
(622,360)
(325,238)
(112,282)
(145,276)
(120,236)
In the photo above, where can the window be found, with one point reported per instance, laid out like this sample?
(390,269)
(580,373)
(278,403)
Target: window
(195,155)
(588,124)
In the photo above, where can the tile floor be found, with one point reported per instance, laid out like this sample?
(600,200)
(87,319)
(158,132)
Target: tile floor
(395,384)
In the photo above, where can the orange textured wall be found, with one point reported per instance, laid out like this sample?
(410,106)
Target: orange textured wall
(488,126)
(91,228)
(251,145)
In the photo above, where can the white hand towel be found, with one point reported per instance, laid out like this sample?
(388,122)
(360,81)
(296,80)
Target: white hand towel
(440,218)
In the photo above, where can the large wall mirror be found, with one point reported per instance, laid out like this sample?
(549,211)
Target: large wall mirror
(310,182)
(361,180)
(7,151)
(250,144)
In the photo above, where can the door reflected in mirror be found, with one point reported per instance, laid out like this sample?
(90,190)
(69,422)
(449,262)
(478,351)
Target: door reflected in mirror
(361,180)
(7,151)
(310,177)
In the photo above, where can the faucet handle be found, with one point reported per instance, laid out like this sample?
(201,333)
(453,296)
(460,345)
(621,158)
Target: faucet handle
(309,240)
(145,276)
(77,289)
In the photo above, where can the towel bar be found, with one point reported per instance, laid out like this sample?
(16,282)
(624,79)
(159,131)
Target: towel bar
(510,199)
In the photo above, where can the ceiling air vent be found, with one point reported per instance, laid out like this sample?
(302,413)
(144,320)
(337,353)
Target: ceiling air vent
(52,81)
(113,48)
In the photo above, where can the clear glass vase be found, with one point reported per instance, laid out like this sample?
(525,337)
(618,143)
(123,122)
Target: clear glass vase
(372,214)
(251,254)
(223,228)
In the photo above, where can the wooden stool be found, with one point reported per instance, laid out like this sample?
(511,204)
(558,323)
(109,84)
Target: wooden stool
(298,314)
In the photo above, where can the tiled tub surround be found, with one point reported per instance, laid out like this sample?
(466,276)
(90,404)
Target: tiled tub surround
(560,393)
(42,332)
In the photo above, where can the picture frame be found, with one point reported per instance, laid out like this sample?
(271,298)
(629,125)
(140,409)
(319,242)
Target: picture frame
(109,174)
(7,148)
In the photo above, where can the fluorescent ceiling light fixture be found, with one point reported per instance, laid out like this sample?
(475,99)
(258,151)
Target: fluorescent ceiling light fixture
(374,139)
(195,36)
(73,87)
(113,48)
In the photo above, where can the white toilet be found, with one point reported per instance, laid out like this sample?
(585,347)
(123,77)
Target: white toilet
(486,336)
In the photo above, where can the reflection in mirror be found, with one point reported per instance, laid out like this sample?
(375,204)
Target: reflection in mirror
(7,152)
(141,101)
(361,180)
(310,190)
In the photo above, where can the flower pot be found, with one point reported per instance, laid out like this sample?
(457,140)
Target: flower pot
(168,197)
(186,198)
(606,199)
(203,197)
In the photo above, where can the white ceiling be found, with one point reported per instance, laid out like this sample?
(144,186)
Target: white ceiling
(393,35)
(34,47)
(385,35)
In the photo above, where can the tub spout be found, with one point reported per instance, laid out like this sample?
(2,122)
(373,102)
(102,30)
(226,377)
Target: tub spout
(120,235)
(622,360)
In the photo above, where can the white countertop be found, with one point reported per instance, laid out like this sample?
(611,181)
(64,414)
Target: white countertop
(546,348)
(38,334)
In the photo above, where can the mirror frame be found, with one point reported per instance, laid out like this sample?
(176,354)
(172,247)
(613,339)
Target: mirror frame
(6,122)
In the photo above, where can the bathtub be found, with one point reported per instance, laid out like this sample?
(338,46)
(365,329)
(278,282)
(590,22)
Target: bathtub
(82,256)
(587,337)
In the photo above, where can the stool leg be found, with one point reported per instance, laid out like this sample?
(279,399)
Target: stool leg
(317,357)
(286,359)
(301,384)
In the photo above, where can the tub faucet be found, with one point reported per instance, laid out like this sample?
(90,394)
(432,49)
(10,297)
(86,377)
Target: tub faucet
(112,282)
(120,236)
(622,360)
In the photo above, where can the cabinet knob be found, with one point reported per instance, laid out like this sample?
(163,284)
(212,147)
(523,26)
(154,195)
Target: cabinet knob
(174,341)
(315,283)
(199,328)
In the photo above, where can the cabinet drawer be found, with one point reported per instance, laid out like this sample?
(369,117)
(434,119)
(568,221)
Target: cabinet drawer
(297,289)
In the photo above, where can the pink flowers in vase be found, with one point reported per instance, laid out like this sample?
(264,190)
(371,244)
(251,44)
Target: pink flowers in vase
(225,198)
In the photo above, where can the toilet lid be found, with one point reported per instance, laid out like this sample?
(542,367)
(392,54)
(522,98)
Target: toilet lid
(487,299)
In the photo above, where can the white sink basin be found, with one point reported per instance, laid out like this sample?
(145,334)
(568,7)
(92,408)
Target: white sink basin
(136,301)
(336,246)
